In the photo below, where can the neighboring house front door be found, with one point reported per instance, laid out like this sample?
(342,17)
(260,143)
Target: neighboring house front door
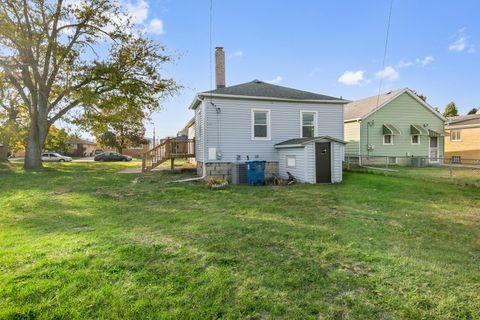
(434,149)
(323,162)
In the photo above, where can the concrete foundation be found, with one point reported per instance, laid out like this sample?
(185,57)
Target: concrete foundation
(223,170)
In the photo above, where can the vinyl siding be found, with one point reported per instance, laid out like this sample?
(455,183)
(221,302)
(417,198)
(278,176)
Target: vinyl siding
(401,112)
(299,171)
(199,134)
(305,169)
(230,129)
(352,137)
(337,150)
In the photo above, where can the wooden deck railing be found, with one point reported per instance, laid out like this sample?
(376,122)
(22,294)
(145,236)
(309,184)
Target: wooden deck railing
(169,149)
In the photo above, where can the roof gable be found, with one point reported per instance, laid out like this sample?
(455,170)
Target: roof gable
(363,108)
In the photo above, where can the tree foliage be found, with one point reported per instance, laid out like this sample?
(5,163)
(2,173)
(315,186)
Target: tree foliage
(57,140)
(451,110)
(63,56)
(473,111)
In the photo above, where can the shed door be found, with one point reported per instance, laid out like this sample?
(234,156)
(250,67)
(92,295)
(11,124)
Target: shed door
(323,162)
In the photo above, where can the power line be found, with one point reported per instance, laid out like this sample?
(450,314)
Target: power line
(385,49)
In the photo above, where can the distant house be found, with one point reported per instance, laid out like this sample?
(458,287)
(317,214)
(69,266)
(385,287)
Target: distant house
(79,147)
(138,151)
(396,125)
(462,143)
(188,132)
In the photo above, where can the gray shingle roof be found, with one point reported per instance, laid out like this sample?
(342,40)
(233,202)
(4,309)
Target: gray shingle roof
(259,88)
(304,141)
(464,120)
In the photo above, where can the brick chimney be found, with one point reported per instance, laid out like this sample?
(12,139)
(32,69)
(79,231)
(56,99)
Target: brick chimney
(220,67)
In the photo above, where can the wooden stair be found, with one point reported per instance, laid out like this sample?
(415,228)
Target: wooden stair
(168,149)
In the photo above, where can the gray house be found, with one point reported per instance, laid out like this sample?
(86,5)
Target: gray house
(292,130)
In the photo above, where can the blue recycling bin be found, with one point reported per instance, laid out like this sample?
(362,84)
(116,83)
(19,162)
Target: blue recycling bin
(255,172)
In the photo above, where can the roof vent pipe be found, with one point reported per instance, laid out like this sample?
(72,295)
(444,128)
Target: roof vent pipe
(220,67)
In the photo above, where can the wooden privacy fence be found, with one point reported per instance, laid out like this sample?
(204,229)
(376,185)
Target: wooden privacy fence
(168,149)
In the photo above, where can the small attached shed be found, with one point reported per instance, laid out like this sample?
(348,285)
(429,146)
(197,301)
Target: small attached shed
(311,160)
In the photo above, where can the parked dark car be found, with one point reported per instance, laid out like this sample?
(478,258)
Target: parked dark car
(112,156)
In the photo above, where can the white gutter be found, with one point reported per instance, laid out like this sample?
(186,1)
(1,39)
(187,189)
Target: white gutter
(216,95)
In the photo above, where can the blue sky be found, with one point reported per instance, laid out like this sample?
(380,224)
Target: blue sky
(329,47)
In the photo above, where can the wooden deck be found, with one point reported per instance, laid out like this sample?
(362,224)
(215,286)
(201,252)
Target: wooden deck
(169,149)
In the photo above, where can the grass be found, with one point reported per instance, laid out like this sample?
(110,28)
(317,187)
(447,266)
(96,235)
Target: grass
(460,175)
(80,241)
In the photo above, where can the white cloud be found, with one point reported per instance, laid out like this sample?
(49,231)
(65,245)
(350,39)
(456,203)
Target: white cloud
(351,78)
(422,62)
(137,11)
(388,73)
(459,44)
(277,79)
(426,60)
(404,64)
(156,26)
(236,54)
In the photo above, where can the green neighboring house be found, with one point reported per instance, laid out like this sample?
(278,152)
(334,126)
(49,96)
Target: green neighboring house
(394,127)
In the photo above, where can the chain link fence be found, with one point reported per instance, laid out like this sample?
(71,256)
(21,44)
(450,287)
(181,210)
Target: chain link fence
(455,169)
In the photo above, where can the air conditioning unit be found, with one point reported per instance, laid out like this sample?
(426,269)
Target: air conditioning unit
(239,173)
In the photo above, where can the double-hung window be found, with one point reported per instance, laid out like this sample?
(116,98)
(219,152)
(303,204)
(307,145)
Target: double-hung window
(261,124)
(388,139)
(308,122)
(455,135)
(415,139)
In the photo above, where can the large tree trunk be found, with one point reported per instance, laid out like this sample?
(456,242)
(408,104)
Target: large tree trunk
(37,133)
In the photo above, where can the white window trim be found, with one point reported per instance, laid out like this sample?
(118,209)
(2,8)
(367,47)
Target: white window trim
(419,139)
(391,140)
(269,125)
(315,122)
(455,140)
(294,160)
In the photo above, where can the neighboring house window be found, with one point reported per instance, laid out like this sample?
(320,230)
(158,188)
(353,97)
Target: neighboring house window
(456,159)
(291,161)
(308,124)
(415,139)
(455,135)
(387,139)
(260,124)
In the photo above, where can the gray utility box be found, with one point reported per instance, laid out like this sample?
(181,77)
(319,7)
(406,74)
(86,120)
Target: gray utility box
(239,173)
(419,162)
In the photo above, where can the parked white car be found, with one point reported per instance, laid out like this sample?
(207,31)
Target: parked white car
(54,157)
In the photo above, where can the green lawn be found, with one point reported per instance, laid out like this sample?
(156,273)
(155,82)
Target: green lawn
(80,241)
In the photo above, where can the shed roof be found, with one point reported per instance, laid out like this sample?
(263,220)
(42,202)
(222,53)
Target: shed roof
(301,142)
